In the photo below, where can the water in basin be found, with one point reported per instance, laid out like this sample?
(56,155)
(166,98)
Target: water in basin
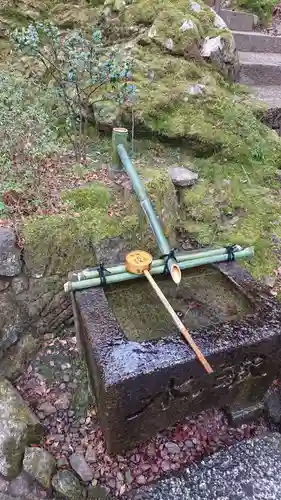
(205,296)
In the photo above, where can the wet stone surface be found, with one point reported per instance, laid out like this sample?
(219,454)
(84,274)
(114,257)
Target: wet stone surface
(248,470)
(145,377)
(76,430)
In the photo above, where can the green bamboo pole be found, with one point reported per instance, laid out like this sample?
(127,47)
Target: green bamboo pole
(192,255)
(119,136)
(118,278)
(146,206)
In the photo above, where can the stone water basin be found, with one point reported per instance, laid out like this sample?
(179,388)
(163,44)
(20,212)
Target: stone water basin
(145,377)
(204,297)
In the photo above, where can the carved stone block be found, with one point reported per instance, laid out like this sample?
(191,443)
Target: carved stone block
(145,377)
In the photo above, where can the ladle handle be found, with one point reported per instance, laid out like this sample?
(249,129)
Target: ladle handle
(178,322)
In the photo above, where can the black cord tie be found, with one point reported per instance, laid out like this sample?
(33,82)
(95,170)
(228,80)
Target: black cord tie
(103,272)
(167,257)
(230,252)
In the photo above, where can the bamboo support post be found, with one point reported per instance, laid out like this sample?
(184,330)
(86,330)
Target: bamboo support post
(119,136)
(150,214)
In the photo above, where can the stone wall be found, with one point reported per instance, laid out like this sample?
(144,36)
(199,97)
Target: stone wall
(31,305)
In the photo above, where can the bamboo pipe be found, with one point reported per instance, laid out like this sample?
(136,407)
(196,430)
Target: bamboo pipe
(119,136)
(139,262)
(192,255)
(118,278)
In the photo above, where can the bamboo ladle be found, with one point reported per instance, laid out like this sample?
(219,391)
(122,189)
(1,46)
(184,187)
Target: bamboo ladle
(139,262)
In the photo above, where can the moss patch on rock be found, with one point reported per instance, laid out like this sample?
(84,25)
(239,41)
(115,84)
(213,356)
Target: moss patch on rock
(66,242)
(236,205)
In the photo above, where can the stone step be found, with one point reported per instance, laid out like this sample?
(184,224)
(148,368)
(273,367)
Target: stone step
(260,69)
(257,42)
(270,95)
(245,471)
(240,21)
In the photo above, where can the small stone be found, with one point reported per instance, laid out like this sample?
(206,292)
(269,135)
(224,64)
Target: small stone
(40,465)
(20,284)
(3,485)
(128,477)
(120,476)
(63,402)
(188,444)
(269,281)
(91,455)
(97,493)
(62,462)
(195,6)
(80,466)
(46,408)
(187,25)
(278,174)
(10,254)
(165,465)
(58,437)
(169,44)
(151,451)
(67,485)
(21,485)
(4,285)
(196,89)
(66,378)
(112,483)
(172,448)
(18,428)
(141,480)
(183,177)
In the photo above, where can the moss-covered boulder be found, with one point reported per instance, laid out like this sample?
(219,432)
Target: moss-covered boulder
(18,428)
(173,46)
(62,243)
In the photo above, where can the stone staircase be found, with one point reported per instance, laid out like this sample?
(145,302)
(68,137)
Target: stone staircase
(260,57)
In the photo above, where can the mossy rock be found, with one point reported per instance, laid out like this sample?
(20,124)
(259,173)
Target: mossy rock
(63,243)
(236,211)
(78,15)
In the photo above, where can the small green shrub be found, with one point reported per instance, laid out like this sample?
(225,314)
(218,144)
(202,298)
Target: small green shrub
(82,72)
(262,8)
(27,131)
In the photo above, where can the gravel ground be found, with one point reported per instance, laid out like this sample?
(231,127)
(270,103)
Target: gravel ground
(55,385)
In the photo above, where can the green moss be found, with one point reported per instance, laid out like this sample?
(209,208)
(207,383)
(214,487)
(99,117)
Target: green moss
(92,196)
(67,242)
(236,209)
(142,12)
(145,12)
(15,17)
(167,26)
(262,8)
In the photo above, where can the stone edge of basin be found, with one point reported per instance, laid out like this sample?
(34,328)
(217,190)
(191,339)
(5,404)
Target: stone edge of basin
(122,358)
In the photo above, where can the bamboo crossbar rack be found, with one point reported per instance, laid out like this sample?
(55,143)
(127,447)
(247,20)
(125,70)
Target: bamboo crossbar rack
(158,269)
